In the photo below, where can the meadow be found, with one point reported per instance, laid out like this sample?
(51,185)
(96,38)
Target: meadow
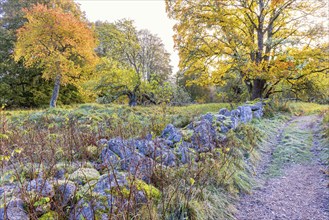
(41,144)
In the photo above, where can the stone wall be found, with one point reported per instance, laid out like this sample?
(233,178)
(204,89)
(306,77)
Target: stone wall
(174,147)
(121,159)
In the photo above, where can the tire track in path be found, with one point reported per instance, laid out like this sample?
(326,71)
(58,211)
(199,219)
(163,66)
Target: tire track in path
(293,185)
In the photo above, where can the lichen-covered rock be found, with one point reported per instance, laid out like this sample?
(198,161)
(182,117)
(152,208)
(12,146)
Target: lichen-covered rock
(171,134)
(167,158)
(41,187)
(224,111)
(2,213)
(235,115)
(257,114)
(204,135)
(10,190)
(227,123)
(185,153)
(14,211)
(65,191)
(187,134)
(146,191)
(63,168)
(138,165)
(107,181)
(120,147)
(84,210)
(51,215)
(108,184)
(145,147)
(209,117)
(245,113)
(257,110)
(256,106)
(84,175)
(109,158)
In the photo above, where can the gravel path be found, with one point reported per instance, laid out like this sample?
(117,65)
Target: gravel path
(300,193)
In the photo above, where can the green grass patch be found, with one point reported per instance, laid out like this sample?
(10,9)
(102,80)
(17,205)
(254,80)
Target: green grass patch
(324,142)
(293,148)
(306,108)
(110,120)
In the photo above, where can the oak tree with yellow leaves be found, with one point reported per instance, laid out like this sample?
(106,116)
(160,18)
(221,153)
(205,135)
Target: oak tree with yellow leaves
(264,42)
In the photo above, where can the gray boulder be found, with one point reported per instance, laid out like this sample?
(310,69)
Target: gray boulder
(168,158)
(145,147)
(171,134)
(108,181)
(185,153)
(245,113)
(235,115)
(2,213)
(84,175)
(163,153)
(14,211)
(88,210)
(225,123)
(224,111)
(109,158)
(257,114)
(257,106)
(257,110)
(209,117)
(204,135)
(41,187)
(65,192)
(138,165)
(120,147)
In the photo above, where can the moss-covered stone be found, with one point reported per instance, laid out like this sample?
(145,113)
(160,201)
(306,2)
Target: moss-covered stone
(84,175)
(187,134)
(87,189)
(93,151)
(150,191)
(65,166)
(51,215)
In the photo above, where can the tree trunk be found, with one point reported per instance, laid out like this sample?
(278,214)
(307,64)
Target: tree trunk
(132,99)
(257,88)
(54,97)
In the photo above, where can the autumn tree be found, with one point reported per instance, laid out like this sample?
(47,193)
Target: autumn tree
(249,38)
(154,58)
(22,86)
(56,41)
(131,59)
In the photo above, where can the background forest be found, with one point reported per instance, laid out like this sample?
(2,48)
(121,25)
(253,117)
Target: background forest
(245,51)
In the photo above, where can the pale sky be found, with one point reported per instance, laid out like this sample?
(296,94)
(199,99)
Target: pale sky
(147,14)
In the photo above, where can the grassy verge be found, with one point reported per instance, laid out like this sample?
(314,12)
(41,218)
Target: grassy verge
(294,147)
(324,135)
(305,108)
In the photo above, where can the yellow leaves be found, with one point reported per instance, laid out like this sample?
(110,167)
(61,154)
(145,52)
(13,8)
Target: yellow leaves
(276,3)
(192,181)
(237,37)
(52,35)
